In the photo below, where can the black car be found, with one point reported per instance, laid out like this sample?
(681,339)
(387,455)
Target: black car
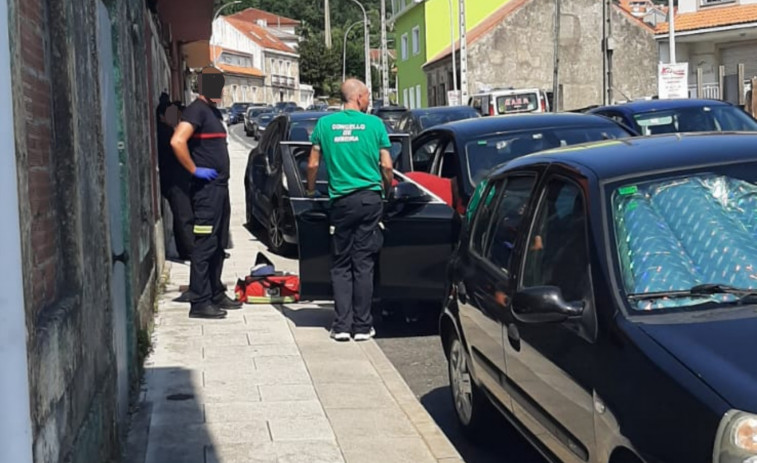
(390,114)
(603,298)
(261,123)
(285,106)
(652,117)
(251,120)
(236,112)
(465,151)
(267,188)
(416,121)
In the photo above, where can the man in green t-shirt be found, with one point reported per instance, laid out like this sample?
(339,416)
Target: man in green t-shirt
(355,147)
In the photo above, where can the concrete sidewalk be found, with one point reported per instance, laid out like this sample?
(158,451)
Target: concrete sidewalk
(268,385)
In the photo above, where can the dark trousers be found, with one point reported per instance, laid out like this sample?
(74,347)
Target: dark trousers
(356,242)
(208,202)
(178,196)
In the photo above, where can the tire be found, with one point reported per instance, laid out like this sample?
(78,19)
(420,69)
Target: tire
(472,407)
(275,230)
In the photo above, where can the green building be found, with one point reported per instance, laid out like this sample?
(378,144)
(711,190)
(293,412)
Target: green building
(422,31)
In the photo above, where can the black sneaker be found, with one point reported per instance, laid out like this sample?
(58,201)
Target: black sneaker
(206,310)
(225,302)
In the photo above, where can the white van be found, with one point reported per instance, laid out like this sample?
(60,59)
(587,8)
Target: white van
(500,101)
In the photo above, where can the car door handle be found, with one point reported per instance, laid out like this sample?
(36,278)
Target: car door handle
(314,215)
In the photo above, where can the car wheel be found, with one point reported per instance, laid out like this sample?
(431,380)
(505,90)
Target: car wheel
(276,230)
(472,408)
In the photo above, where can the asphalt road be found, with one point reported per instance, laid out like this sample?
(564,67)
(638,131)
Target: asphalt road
(415,350)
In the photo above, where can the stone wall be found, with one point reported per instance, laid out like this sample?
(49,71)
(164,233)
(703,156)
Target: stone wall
(519,52)
(65,228)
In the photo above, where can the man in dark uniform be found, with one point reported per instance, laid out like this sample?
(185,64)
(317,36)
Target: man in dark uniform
(175,183)
(355,147)
(199,143)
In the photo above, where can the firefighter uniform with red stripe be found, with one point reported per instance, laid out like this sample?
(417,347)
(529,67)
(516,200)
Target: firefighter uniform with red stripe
(208,149)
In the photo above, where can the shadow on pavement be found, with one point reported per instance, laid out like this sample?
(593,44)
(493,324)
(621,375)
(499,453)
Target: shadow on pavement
(169,425)
(309,317)
(500,442)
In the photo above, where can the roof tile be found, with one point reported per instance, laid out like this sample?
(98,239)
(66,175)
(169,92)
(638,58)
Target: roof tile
(259,35)
(253,15)
(713,16)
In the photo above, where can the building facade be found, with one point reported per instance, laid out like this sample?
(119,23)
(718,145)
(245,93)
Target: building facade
(256,48)
(710,34)
(506,50)
(422,30)
(83,245)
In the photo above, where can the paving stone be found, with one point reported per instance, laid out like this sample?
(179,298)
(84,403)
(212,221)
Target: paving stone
(284,393)
(172,412)
(261,338)
(242,412)
(257,377)
(383,450)
(346,371)
(308,452)
(179,451)
(213,433)
(241,453)
(355,396)
(370,423)
(300,428)
(213,353)
(272,362)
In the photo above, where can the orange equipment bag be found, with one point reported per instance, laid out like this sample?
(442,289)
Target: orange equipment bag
(265,285)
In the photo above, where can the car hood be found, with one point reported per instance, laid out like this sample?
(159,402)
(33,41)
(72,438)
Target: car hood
(722,353)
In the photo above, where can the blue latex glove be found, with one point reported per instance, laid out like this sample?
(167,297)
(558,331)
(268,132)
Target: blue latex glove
(205,173)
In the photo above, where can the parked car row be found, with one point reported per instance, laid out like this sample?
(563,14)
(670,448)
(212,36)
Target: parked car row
(597,288)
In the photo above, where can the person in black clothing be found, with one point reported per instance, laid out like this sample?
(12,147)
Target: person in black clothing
(199,143)
(175,184)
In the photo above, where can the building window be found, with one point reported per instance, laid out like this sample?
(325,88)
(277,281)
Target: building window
(412,98)
(405,100)
(418,96)
(714,2)
(404,47)
(416,40)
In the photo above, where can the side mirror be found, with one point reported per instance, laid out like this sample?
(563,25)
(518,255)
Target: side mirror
(544,304)
(407,191)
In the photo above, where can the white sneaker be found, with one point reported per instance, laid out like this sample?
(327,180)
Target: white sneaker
(365,336)
(341,337)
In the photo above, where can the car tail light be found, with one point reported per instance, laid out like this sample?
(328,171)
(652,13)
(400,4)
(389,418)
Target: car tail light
(543,105)
(491,109)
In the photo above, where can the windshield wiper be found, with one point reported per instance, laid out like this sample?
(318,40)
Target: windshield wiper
(702,290)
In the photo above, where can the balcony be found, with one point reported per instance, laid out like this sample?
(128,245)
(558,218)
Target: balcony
(282,81)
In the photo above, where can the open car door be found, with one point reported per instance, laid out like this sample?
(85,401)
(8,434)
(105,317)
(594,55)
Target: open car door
(419,233)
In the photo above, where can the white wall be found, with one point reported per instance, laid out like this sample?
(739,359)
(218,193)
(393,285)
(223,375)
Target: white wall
(15,418)
(228,36)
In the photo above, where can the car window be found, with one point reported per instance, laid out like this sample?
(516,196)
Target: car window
(487,151)
(424,155)
(275,129)
(302,129)
(508,217)
(445,161)
(695,119)
(517,103)
(482,222)
(557,254)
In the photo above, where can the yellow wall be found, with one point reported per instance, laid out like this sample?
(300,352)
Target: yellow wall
(438,20)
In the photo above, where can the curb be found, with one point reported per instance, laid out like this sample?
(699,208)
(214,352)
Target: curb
(436,441)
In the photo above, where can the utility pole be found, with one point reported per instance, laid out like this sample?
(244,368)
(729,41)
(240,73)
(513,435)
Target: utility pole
(384,57)
(607,47)
(327,22)
(556,76)
(452,45)
(463,56)
(672,31)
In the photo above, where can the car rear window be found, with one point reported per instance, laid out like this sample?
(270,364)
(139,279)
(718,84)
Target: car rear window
(517,103)
(488,151)
(435,118)
(696,119)
(301,130)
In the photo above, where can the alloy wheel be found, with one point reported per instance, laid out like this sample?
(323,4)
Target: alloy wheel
(276,229)
(460,382)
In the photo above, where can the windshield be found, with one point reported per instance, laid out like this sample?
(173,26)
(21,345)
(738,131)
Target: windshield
(239,106)
(674,233)
(301,130)
(517,103)
(487,151)
(698,119)
(435,118)
(256,112)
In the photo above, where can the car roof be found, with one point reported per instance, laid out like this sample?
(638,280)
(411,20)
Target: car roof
(391,109)
(306,115)
(634,156)
(516,122)
(661,105)
(443,109)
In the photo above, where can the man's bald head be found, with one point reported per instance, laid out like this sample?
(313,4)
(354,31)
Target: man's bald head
(351,89)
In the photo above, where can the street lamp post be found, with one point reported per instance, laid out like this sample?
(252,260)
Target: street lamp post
(212,31)
(452,41)
(344,50)
(367,53)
